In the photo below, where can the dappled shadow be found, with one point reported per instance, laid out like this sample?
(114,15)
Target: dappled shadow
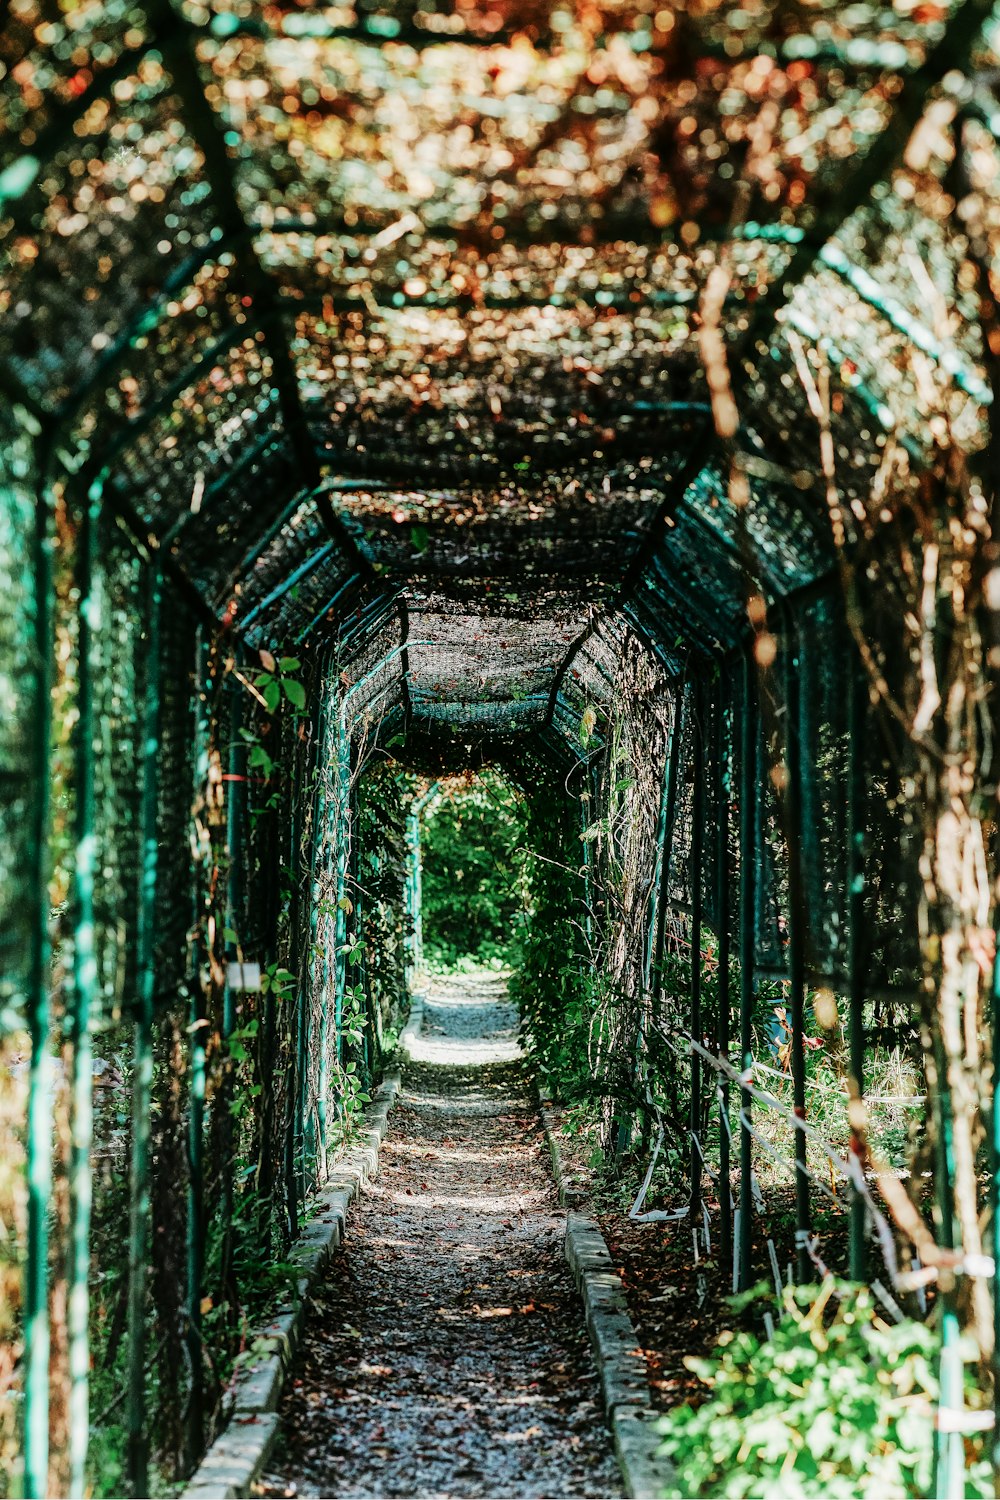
(468,1022)
(446,1354)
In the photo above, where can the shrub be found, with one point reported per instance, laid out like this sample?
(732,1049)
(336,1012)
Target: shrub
(837,1403)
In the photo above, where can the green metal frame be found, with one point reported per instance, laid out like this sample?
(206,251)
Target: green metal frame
(722,788)
(38,1166)
(857,704)
(142,1057)
(82,996)
(198,1032)
(749,792)
(695,868)
(414,905)
(670,805)
(796,933)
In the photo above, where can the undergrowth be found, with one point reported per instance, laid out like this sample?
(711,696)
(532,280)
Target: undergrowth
(837,1404)
(658,1098)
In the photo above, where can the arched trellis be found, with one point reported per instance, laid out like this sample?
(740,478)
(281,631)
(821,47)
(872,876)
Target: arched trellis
(269,545)
(711,693)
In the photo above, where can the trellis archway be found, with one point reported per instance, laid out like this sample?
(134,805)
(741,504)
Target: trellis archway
(578,386)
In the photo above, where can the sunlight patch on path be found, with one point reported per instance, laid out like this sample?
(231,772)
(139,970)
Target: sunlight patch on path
(445,1357)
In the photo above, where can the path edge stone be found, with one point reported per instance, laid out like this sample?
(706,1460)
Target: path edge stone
(236,1457)
(617,1353)
(411,1030)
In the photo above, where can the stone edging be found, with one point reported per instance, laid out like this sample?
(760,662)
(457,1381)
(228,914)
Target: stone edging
(237,1456)
(571,1195)
(619,1360)
(411,1030)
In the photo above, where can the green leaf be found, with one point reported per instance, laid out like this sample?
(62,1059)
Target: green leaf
(295,693)
(272,696)
(259,757)
(290,664)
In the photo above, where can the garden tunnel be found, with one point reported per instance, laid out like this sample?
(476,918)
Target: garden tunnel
(601,392)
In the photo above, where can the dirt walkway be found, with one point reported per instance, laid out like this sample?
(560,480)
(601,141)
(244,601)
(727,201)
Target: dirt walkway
(446,1355)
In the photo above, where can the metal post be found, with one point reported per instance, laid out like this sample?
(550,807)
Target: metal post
(656,894)
(294,1146)
(414,875)
(39,1123)
(343,848)
(949,1446)
(749,735)
(586,813)
(796,934)
(81,1000)
(196,1107)
(414,939)
(318,950)
(995,1196)
(142,1061)
(418,897)
(697,849)
(857,703)
(669,809)
(369,1039)
(307,1134)
(236,783)
(722,797)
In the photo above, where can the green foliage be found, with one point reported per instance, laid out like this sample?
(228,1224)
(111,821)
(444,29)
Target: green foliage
(549,986)
(277,680)
(837,1404)
(278,981)
(382,929)
(472,846)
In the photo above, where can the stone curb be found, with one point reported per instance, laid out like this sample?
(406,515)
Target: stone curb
(411,1030)
(619,1359)
(570,1194)
(237,1456)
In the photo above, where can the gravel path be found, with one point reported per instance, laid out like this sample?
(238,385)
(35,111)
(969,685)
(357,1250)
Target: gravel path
(445,1356)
